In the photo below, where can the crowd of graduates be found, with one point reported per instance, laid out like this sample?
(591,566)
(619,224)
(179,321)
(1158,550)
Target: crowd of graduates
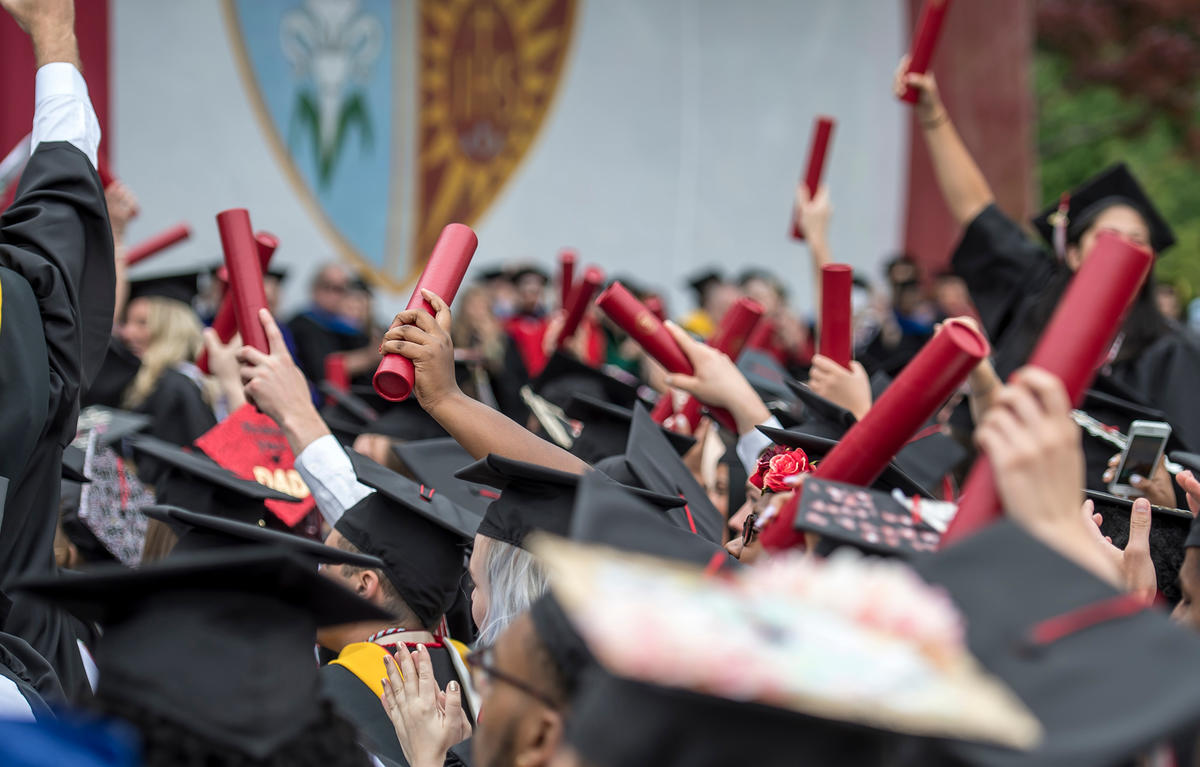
(564,548)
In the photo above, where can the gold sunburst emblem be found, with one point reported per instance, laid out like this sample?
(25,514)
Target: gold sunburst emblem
(488,74)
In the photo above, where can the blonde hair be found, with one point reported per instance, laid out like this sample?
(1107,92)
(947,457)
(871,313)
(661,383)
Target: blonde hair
(175,337)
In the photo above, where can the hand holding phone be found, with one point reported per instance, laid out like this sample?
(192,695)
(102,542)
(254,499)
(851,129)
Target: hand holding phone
(1143,451)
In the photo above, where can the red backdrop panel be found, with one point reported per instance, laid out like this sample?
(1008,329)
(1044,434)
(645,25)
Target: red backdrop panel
(17,69)
(983,65)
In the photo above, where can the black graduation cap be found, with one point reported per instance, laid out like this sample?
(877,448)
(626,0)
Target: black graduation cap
(114,425)
(660,469)
(1112,186)
(616,721)
(117,371)
(872,521)
(1114,405)
(354,406)
(72,465)
(566,649)
(608,514)
(490,273)
(433,463)
(426,500)
(1169,531)
(925,460)
(402,421)
(181,287)
(201,532)
(533,498)
(766,375)
(419,536)
(606,429)
(276,271)
(525,270)
(701,281)
(565,376)
(1105,682)
(197,482)
(219,642)
(816,448)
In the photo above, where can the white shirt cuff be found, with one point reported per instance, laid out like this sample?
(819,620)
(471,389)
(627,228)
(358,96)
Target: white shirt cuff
(326,469)
(753,442)
(62,110)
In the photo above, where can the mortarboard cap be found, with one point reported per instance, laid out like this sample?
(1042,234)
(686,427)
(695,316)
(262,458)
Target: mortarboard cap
(1106,680)
(196,480)
(660,469)
(1112,186)
(609,515)
(565,376)
(72,465)
(202,532)
(816,448)
(1169,531)
(701,281)
(869,520)
(567,651)
(419,536)
(181,287)
(606,429)
(433,462)
(424,499)
(111,424)
(245,620)
(533,497)
(525,270)
(348,403)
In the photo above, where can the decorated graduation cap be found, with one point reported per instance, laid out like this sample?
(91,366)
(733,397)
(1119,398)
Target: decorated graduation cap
(534,497)
(606,429)
(926,459)
(220,643)
(202,532)
(1106,677)
(565,376)
(181,287)
(420,537)
(434,462)
(659,468)
(608,514)
(872,521)
(827,671)
(112,425)
(1113,186)
(816,448)
(195,481)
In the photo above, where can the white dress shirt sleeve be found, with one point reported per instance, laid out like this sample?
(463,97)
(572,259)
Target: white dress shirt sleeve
(326,469)
(62,110)
(753,442)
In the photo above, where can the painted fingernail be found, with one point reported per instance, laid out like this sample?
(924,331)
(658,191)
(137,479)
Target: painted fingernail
(452,687)
(1137,479)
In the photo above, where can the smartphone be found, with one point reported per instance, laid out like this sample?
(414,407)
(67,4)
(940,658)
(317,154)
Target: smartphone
(1147,439)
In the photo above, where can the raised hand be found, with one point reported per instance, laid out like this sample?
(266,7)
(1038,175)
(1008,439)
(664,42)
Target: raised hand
(929,103)
(814,214)
(427,721)
(1191,486)
(50,25)
(1155,488)
(1135,564)
(850,389)
(717,382)
(425,339)
(122,208)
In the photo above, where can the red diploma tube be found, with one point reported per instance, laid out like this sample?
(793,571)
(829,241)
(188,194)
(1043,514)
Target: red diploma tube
(443,274)
(157,243)
(837,280)
(225,322)
(632,316)
(577,305)
(730,338)
(817,150)
(566,277)
(916,394)
(1073,346)
(245,275)
(929,29)
(657,308)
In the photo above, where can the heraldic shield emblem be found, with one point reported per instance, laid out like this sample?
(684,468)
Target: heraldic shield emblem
(394,118)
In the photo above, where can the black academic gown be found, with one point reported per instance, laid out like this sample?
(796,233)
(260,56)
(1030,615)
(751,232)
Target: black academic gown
(1010,276)
(315,341)
(56,240)
(358,704)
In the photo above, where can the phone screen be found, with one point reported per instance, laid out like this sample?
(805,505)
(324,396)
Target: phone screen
(1139,459)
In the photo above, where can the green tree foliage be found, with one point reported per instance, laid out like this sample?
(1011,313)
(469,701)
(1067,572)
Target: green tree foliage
(1119,80)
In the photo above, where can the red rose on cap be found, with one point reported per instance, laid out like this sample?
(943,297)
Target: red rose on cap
(782,468)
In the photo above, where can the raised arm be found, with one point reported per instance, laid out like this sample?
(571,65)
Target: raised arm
(481,430)
(963,186)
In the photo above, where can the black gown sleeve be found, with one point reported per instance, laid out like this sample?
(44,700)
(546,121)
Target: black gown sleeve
(56,235)
(24,380)
(1001,266)
(177,410)
(1163,376)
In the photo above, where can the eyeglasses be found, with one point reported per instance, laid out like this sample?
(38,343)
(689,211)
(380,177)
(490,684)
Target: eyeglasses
(483,669)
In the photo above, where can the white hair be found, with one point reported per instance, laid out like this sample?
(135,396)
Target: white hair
(515,581)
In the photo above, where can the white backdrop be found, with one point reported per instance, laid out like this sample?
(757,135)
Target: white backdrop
(675,141)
